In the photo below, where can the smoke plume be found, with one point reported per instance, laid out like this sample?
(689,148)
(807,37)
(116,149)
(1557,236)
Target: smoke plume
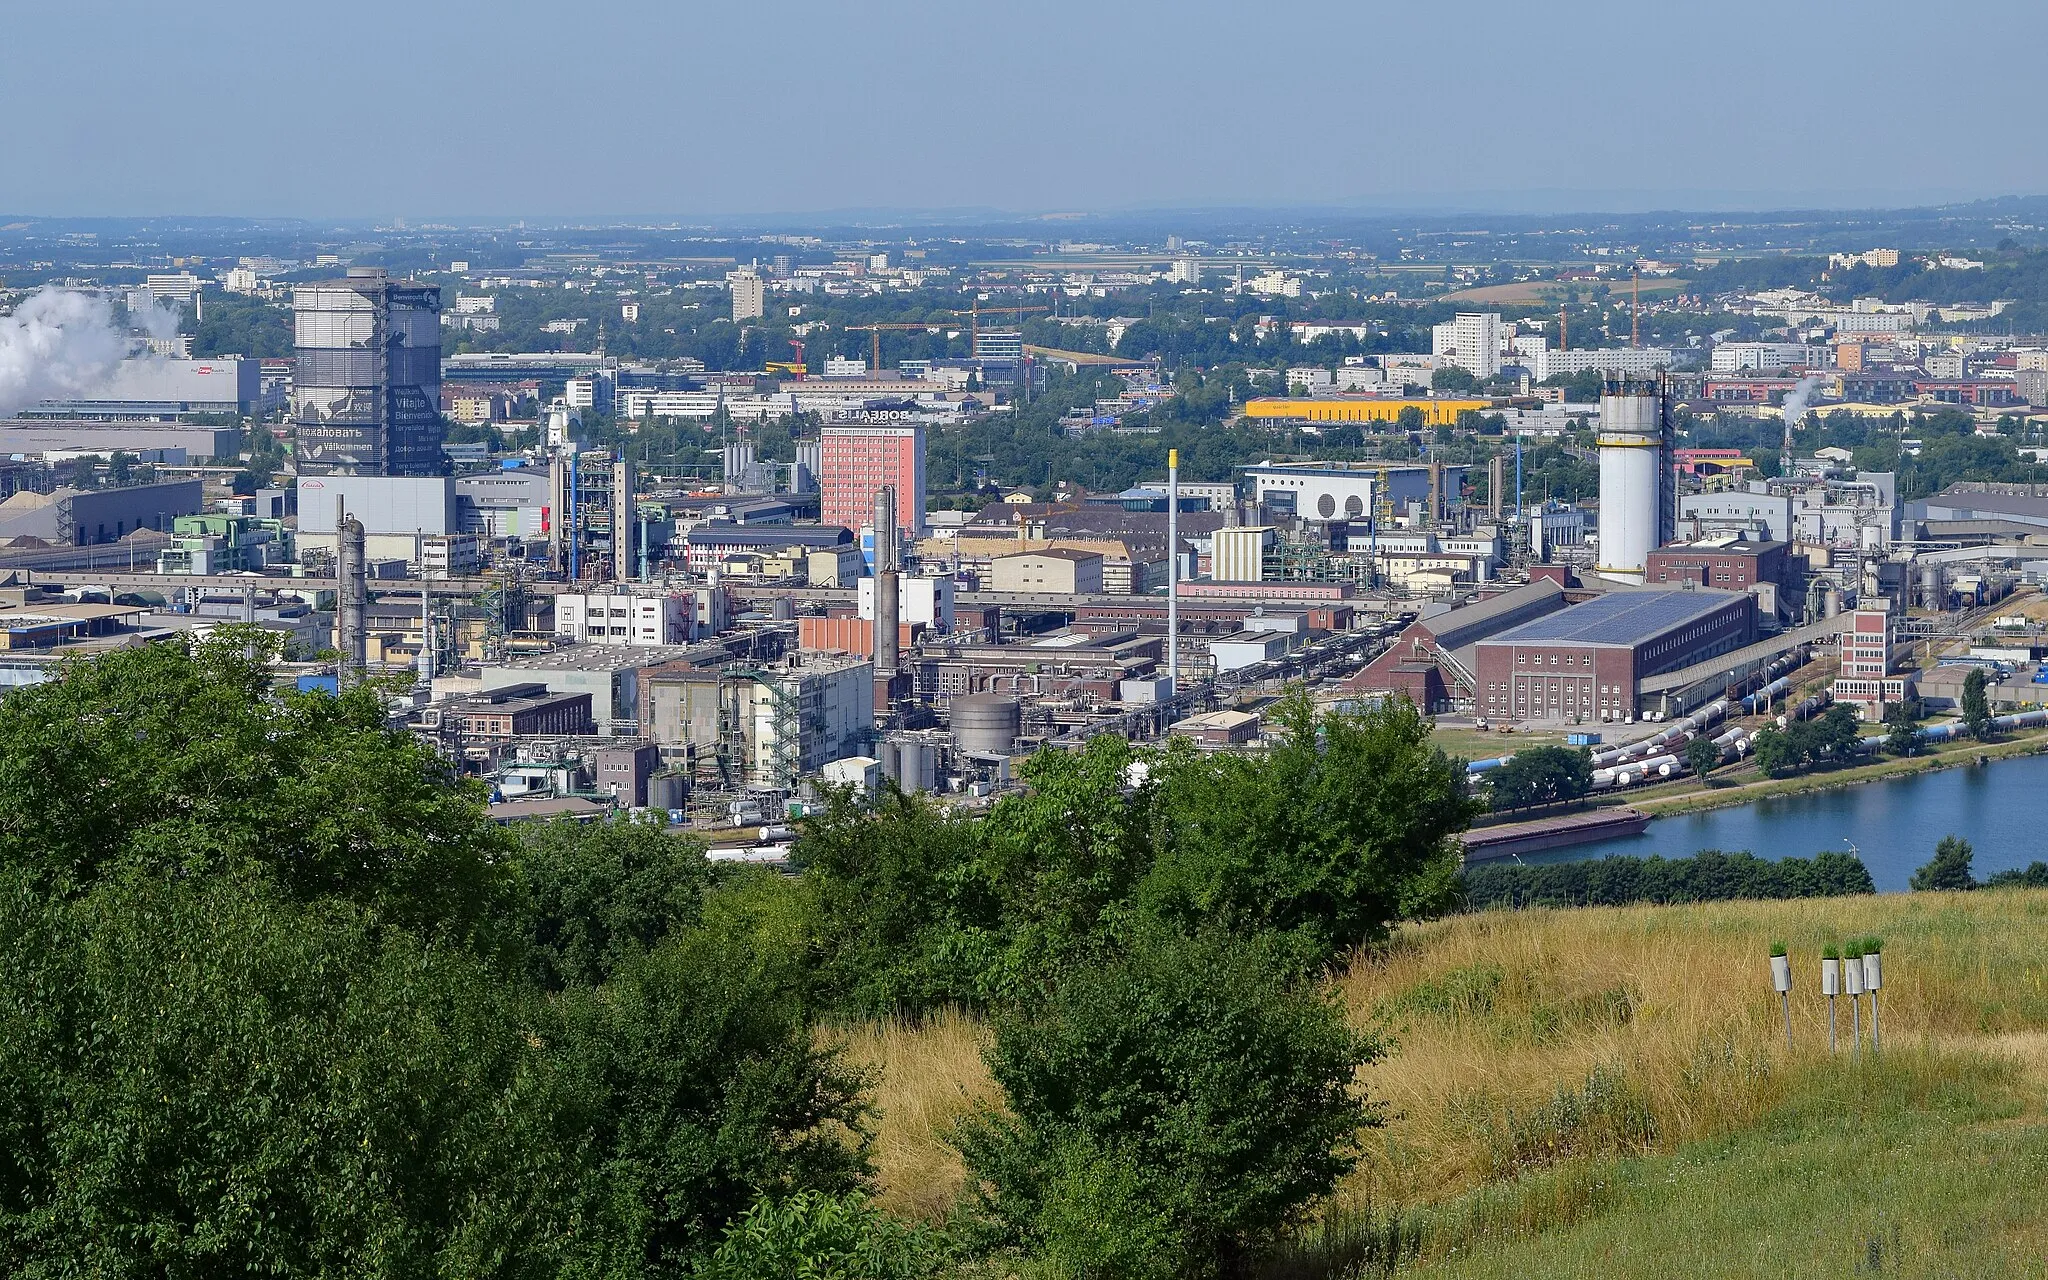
(1796,398)
(63,343)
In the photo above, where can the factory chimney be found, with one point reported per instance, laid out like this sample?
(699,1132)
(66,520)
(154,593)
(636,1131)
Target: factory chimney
(622,518)
(558,511)
(887,634)
(351,592)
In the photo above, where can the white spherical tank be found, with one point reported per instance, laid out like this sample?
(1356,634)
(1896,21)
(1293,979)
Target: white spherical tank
(1631,480)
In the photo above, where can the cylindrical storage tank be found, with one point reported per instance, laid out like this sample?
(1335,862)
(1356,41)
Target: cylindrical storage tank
(1631,481)
(668,791)
(885,757)
(783,609)
(986,723)
(913,766)
(1831,602)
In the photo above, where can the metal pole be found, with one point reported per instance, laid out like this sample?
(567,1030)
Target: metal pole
(1785,999)
(1856,1022)
(1831,1024)
(1172,572)
(1873,1021)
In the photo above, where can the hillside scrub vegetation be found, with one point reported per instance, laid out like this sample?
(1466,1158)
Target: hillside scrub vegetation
(280,998)
(1563,1090)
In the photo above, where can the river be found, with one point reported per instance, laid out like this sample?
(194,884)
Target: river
(2001,808)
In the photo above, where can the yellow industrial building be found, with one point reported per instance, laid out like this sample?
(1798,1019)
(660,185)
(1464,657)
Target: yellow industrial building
(1435,413)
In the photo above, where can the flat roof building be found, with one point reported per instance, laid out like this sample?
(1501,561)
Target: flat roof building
(1052,571)
(518,710)
(1584,663)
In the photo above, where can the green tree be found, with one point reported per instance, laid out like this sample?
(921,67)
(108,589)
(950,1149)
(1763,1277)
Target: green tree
(597,894)
(1170,1110)
(1901,721)
(1702,756)
(1773,751)
(1540,775)
(1976,706)
(276,997)
(903,916)
(1452,380)
(1949,868)
(1346,825)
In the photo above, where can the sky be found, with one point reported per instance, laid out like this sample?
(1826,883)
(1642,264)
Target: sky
(427,109)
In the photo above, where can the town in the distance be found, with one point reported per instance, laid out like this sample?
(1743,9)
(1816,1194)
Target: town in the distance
(695,521)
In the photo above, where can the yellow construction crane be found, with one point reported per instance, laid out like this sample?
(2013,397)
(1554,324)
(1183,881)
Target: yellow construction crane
(875,333)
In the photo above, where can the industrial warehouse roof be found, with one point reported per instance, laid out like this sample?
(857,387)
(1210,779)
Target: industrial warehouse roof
(1963,504)
(1462,627)
(1623,618)
(718,533)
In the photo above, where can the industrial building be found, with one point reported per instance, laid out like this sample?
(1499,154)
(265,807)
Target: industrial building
(1867,681)
(642,619)
(167,443)
(1361,409)
(707,545)
(1584,663)
(516,710)
(1062,664)
(366,391)
(147,388)
(1133,544)
(611,675)
(1433,658)
(88,517)
(1729,562)
(1327,491)
(1052,571)
(764,725)
(413,519)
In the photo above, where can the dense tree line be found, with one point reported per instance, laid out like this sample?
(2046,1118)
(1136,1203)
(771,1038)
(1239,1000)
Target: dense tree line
(279,999)
(1621,880)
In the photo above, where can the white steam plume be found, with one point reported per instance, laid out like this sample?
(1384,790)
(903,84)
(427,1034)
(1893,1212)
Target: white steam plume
(1795,404)
(61,343)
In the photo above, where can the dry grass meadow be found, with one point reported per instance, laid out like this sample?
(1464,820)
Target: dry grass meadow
(1530,1055)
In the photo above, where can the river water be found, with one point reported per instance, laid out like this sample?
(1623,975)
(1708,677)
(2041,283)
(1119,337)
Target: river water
(2001,808)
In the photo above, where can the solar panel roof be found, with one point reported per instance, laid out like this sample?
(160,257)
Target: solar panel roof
(1619,618)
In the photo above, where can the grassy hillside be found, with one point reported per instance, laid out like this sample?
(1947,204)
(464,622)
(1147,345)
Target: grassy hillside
(1572,1092)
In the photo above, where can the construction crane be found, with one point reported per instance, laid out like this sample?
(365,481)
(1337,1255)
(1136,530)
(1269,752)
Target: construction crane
(974,315)
(795,367)
(874,331)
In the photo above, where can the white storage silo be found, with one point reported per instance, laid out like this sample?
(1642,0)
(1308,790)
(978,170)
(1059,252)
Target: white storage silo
(1631,440)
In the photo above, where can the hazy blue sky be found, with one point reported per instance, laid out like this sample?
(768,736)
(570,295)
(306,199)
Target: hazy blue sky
(419,108)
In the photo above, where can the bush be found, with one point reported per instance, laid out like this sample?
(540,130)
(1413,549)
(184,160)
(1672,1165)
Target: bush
(1707,876)
(2032,876)
(828,1237)
(1171,1111)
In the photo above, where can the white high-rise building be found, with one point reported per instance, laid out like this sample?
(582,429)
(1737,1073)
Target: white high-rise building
(749,297)
(1471,341)
(1185,271)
